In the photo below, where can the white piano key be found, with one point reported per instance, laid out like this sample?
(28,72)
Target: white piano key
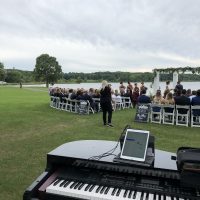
(144,195)
(82,193)
(65,190)
(150,196)
(108,195)
(162,197)
(168,198)
(138,195)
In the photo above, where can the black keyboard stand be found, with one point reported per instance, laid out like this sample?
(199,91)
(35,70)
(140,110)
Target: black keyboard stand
(149,160)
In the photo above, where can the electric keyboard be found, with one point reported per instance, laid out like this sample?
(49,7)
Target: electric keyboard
(72,174)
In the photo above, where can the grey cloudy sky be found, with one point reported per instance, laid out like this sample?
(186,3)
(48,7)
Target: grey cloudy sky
(101,35)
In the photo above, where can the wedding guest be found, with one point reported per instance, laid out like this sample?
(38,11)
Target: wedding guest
(143,98)
(122,88)
(106,103)
(169,100)
(158,99)
(194,94)
(179,86)
(136,93)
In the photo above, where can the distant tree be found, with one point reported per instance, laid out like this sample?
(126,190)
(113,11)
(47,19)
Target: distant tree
(13,76)
(47,69)
(2,72)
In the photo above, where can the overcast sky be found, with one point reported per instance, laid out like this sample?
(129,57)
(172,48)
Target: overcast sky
(101,35)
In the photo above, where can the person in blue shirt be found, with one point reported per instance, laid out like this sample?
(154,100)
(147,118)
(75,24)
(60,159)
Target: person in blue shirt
(143,98)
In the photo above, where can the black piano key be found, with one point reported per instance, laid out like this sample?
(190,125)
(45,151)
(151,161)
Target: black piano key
(118,192)
(142,196)
(107,190)
(80,186)
(154,196)
(77,185)
(87,187)
(125,193)
(135,193)
(61,184)
(73,184)
(130,194)
(113,192)
(91,188)
(66,184)
(98,189)
(102,190)
(57,181)
(147,196)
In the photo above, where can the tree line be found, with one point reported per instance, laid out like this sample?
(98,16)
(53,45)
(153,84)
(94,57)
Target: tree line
(48,70)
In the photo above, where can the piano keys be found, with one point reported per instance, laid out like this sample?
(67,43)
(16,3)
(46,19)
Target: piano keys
(71,174)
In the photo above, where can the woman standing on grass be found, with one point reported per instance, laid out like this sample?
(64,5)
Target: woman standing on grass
(106,104)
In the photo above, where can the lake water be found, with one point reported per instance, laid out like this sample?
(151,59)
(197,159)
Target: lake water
(186,85)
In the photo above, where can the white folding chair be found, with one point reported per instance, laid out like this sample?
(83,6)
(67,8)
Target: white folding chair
(67,105)
(168,114)
(117,103)
(195,116)
(97,101)
(52,101)
(156,113)
(74,105)
(56,103)
(182,115)
(127,102)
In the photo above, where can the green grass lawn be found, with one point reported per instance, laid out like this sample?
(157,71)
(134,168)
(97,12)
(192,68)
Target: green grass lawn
(29,129)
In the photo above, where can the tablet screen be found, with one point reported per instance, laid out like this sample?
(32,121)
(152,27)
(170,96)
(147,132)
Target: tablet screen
(135,145)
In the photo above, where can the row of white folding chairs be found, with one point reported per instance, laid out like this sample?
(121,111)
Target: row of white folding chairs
(182,115)
(71,105)
(121,103)
(118,103)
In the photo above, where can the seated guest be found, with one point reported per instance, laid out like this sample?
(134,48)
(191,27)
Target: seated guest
(91,92)
(169,100)
(80,95)
(70,93)
(188,93)
(195,102)
(73,95)
(182,100)
(117,93)
(158,99)
(194,94)
(93,104)
(96,94)
(143,98)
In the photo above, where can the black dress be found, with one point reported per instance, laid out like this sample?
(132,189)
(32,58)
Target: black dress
(106,105)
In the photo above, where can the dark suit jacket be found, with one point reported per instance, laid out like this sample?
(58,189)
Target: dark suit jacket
(182,100)
(195,100)
(144,99)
